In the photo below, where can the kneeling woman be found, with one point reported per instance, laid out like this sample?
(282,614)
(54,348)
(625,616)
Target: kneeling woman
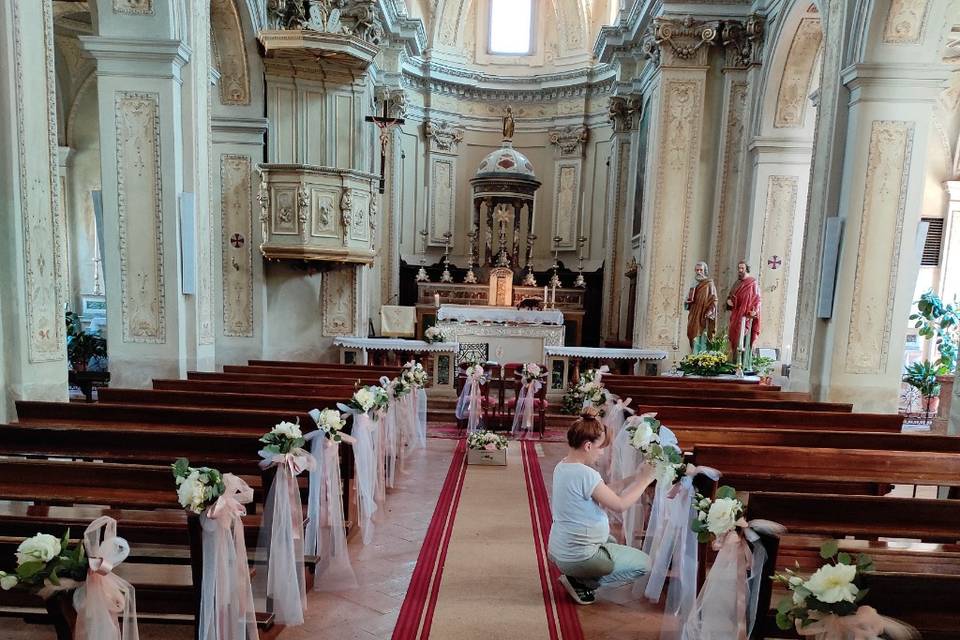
(580,543)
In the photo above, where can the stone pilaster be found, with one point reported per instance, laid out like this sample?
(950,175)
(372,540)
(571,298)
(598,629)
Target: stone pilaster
(678,220)
(33,365)
(950,265)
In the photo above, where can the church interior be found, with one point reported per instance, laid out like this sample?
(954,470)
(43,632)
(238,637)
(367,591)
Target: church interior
(412,319)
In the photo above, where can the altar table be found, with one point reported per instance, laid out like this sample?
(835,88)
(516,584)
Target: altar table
(506,334)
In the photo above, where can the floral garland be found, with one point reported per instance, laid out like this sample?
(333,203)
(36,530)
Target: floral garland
(833,589)
(43,560)
(717,517)
(331,423)
(284,438)
(433,334)
(197,487)
(644,433)
(706,363)
(486,440)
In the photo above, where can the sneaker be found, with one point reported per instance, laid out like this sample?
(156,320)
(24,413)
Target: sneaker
(579,593)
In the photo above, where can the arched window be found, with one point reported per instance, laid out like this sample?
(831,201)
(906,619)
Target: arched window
(511,27)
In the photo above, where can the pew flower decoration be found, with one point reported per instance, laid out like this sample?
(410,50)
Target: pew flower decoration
(43,561)
(827,603)
(486,440)
(284,438)
(532,372)
(331,423)
(706,363)
(475,372)
(369,398)
(715,518)
(667,459)
(433,334)
(414,374)
(399,387)
(197,487)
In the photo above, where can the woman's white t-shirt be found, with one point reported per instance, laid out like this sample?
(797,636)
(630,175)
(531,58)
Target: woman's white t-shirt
(580,526)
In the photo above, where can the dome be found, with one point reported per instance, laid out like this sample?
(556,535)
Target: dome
(504,162)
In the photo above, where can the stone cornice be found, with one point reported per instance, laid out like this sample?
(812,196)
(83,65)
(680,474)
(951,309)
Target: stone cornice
(124,57)
(402,29)
(481,86)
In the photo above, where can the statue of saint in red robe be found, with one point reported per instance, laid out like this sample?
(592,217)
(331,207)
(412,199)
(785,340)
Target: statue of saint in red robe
(744,304)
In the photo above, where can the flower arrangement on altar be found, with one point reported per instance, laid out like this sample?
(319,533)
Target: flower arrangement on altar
(644,436)
(533,372)
(284,438)
(706,363)
(331,423)
(43,561)
(197,487)
(433,334)
(486,440)
(717,517)
(369,398)
(414,374)
(827,603)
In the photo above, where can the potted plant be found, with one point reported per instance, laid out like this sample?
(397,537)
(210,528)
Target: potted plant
(82,345)
(923,376)
(763,366)
(934,319)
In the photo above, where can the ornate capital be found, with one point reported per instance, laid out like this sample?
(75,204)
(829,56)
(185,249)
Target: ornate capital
(395,99)
(743,41)
(683,41)
(442,135)
(570,139)
(619,112)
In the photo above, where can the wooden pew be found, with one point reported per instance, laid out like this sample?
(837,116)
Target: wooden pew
(244,387)
(807,469)
(688,391)
(690,437)
(774,418)
(704,399)
(280,377)
(368,377)
(619,377)
(389,371)
(287,403)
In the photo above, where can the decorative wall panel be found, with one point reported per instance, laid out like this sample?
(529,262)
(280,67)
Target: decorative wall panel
(339,301)
(443,190)
(905,21)
(779,221)
(43,235)
(134,7)
(236,238)
(231,55)
(730,181)
(567,202)
(793,98)
(677,157)
(878,248)
(140,211)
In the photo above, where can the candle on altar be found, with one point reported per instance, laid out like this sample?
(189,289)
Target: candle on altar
(553,295)
(545,295)
(436,300)
(743,333)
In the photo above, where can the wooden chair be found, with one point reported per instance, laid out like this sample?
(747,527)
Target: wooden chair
(511,372)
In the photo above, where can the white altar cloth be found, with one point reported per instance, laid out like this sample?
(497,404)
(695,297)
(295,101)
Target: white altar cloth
(498,315)
(604,353)
(394,344)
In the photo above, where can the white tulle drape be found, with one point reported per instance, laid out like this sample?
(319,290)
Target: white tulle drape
(616,411)
(104,596)
(864,624)
(226,598)
(325,536)
(469,404)
(280,543)
(365,471)
(523,419)
(420,441)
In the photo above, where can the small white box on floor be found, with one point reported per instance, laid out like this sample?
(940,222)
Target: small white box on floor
(497,457)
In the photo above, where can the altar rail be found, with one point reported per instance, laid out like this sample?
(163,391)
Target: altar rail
(565,363)
(437,357)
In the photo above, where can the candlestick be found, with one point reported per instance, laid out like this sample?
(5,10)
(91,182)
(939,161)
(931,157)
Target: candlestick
(545,295)
(436,300)
(743,332)
(553,296)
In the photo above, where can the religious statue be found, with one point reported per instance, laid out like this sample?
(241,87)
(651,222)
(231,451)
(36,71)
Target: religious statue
(701,303)
(744,305)
(508,124)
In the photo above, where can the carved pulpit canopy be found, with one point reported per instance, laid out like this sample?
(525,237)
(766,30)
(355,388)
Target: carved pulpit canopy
(346,31)
(501,287)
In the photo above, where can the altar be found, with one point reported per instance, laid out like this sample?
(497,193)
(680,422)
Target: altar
(500,334)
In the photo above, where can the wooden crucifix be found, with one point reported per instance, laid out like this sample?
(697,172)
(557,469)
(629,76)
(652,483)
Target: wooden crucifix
(384,124)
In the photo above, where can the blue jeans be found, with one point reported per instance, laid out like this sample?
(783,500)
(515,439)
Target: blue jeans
(611,564)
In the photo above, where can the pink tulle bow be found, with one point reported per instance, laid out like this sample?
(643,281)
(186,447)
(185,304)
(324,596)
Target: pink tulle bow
(104,596)
(864,624)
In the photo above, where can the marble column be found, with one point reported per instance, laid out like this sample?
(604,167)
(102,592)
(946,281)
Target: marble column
(144,110)
(678,226)
(32,237)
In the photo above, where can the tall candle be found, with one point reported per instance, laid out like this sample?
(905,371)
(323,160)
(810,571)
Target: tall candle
(553,295)
(436,300)
(544,295)
(743,333)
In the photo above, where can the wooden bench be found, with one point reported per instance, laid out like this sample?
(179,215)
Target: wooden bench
(389,371)
(242,386)
(708,399)
(367,377)
(296,403)
(281,376)
(773,418)
(690,437)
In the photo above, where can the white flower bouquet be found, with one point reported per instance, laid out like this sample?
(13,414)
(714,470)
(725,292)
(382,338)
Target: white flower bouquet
(331,423)
(197,487)
(717,517)
(532,372)
(369,398)
(830,597)
(414,374)
(486,440)
(400,387)
(44,560)
(475,372)
(284,438)
(644,436)
(433,334)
